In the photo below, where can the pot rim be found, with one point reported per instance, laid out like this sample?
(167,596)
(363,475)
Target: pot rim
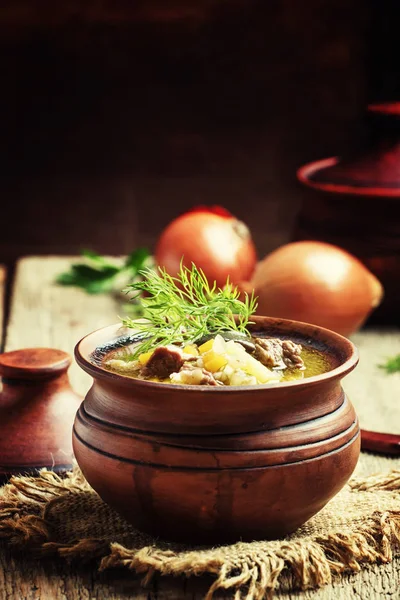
(306,329)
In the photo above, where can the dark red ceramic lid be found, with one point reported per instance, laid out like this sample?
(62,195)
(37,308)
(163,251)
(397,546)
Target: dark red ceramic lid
(375,172)
(34,363)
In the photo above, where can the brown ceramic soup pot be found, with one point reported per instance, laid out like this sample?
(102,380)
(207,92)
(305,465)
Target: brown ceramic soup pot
(217,464)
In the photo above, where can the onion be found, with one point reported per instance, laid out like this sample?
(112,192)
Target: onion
(316,283)
(211,238)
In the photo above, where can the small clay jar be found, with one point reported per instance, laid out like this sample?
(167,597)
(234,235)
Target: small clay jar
(37,409)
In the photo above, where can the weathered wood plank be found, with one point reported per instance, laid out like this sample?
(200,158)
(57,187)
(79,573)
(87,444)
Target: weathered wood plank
(374,392)
(376,582)
(56,580)
(22,577)
(45,314)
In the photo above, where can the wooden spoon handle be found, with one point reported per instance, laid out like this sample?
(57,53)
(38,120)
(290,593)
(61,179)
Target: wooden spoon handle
(382,443)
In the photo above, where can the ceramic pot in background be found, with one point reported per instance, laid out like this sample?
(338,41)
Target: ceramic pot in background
(37,409)
(354,203)
(218,464)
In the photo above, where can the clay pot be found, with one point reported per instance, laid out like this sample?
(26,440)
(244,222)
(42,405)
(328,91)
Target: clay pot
(37,409)
(354,202)
(210,465)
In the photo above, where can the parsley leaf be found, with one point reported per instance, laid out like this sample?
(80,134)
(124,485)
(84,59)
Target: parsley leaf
(392,365)
(99,275)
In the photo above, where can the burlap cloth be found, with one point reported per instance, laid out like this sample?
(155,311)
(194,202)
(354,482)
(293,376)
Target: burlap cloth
(49,515)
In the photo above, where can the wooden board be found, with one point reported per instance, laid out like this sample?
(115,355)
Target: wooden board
(45,314)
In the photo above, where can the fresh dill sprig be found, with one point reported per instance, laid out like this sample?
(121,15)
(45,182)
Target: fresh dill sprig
(186,308)
(392,365)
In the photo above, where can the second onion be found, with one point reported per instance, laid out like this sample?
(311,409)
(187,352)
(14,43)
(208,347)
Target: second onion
(317,283)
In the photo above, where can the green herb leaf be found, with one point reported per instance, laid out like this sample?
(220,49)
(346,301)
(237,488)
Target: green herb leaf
(136,260)
(392,365)
(185,308)
(97,274)
(93,273)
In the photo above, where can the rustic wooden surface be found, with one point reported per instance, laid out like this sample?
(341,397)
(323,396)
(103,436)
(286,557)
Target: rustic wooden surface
(44,314)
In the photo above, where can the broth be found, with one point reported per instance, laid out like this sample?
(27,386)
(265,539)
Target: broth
(119,360)
(315,363)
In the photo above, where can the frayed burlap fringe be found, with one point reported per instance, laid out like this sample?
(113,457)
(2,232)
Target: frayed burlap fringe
(51,515)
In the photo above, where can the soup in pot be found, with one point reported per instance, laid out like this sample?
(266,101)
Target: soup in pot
(221,361)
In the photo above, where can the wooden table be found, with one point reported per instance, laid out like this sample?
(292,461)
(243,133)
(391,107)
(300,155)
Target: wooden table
(44,314)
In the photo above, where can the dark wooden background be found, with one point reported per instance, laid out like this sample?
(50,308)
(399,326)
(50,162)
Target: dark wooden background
(117,116)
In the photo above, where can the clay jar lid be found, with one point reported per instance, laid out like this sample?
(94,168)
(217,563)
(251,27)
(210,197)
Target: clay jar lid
(34,363)
(374,171)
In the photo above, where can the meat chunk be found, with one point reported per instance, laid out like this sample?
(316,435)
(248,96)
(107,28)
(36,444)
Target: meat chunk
(292,354)
(269,352)
(164,361)
(193,375)
(276,353)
